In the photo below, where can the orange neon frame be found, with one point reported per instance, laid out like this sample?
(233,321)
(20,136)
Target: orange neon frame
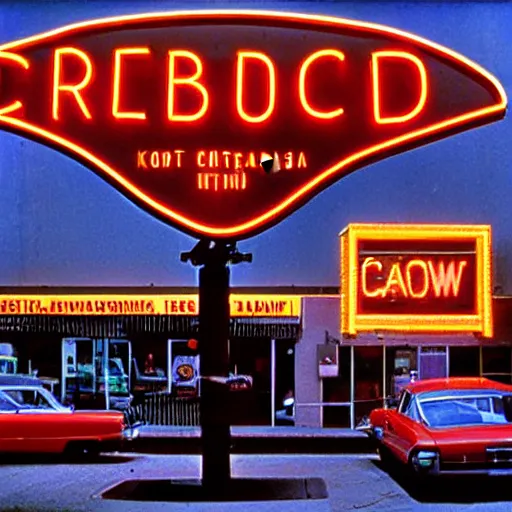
(301,194)
(352,322)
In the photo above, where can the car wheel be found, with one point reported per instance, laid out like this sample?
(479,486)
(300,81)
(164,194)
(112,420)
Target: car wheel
(386,457)
(421,487)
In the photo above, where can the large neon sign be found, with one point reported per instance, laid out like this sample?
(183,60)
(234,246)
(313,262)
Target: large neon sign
(175,109)
(417,278)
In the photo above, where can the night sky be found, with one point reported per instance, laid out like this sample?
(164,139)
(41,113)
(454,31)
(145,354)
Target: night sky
(60,224)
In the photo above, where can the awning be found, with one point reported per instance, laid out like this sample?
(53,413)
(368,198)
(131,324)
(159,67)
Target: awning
(122,326)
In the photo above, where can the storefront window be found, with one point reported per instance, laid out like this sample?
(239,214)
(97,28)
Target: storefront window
(433,363)
(368,373)
(285,382)
(96,372)
(464,361)
(149,366)
(184,370)
(497,364)
(78,370)
(252,357)
(336,390)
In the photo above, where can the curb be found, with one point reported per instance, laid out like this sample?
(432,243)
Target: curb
(256,444)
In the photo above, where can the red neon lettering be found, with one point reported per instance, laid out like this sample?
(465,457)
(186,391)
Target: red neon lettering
(240,67)
(12,57)
(445,279)
(370,262)
(74,89)
(395,279)
(302,84)
(191,81)
(376,87)
(408,273)
(118,55)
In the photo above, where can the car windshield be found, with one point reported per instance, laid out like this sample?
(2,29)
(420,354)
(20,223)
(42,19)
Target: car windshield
(6,405)
(466,408)
(30,398)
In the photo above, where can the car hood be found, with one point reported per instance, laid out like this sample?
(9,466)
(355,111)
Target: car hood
(461,444)
(107,415)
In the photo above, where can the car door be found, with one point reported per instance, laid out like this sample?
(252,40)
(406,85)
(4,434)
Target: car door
(8,430)
(400,425)
(408,429)
(389,437)
(34,426)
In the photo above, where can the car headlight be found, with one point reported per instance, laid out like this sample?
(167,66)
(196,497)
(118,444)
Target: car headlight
(131,433)
(425,459)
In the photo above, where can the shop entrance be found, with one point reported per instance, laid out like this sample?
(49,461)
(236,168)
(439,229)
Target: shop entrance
(368,379)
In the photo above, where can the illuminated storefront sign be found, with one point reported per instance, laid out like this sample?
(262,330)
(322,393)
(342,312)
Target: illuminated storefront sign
(241,305)
(176,109)
(423,278)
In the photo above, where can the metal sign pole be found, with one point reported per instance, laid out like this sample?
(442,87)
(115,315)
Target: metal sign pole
(214,320)
(213,353)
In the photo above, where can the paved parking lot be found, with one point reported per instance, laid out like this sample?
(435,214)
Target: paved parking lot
(354,483)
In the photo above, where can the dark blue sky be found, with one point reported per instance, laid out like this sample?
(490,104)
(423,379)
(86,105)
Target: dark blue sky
(60,224)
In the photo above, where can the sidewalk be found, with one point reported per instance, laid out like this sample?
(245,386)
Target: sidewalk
(186,440)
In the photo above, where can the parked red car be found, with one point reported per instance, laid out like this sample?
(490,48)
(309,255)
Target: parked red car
(454,426)
(33,421)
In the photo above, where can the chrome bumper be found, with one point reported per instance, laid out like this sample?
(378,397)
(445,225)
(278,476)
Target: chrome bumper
(468,471)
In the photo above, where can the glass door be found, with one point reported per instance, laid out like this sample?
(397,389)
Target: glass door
(368,379)
(78,371)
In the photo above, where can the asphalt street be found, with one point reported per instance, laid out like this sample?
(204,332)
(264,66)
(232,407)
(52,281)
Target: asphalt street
(354,483)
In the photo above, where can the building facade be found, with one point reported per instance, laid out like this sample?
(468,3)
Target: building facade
(372,366)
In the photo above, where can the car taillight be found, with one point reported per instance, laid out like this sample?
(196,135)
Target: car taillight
(425,460)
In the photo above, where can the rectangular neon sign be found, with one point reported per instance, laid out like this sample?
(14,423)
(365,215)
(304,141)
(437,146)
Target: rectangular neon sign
(416,278)
(98,305)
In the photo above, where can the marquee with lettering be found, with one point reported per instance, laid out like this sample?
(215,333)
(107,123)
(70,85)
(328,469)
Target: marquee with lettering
(416,278)
(177,109)
(80,304)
